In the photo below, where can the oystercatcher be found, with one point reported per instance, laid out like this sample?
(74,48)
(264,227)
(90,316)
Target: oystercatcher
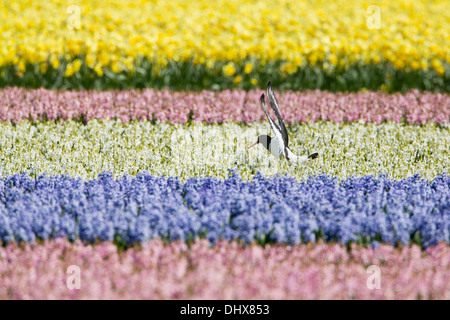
(278,146)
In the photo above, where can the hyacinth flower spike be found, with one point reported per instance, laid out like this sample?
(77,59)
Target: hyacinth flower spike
(278,146)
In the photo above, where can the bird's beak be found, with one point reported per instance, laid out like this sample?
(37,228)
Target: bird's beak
(252,145)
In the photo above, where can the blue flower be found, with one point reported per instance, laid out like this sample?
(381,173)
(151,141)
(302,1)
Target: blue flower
(277,209)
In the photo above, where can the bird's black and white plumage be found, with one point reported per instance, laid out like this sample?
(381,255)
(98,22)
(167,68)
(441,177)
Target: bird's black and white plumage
(279,145)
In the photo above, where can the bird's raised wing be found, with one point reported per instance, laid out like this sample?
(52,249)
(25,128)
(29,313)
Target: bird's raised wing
(274,104)
(275,128)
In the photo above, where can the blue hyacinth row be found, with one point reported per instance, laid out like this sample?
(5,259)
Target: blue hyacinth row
(277,209)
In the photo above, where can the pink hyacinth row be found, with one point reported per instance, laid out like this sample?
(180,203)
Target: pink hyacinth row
(225,271)
(415,107)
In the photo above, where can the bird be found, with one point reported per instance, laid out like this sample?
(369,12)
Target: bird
(279,145)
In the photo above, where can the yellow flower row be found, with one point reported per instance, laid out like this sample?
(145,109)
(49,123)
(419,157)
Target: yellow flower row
(409,34)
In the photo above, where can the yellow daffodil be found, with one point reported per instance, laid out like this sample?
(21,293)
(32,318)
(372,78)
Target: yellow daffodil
(98,69)
(69,70)
(237,79)
(229,69)
(248,68)
(77,65)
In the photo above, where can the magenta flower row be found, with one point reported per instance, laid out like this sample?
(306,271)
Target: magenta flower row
(54,269)
(414,107)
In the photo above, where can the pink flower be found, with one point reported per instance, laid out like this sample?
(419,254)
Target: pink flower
(224,271)
(415,107)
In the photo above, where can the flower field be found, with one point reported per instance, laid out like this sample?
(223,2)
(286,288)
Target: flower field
(118,181)
(86,150)
(279,210)
(226,271)
(226,44)
(414,107)
(124,134)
